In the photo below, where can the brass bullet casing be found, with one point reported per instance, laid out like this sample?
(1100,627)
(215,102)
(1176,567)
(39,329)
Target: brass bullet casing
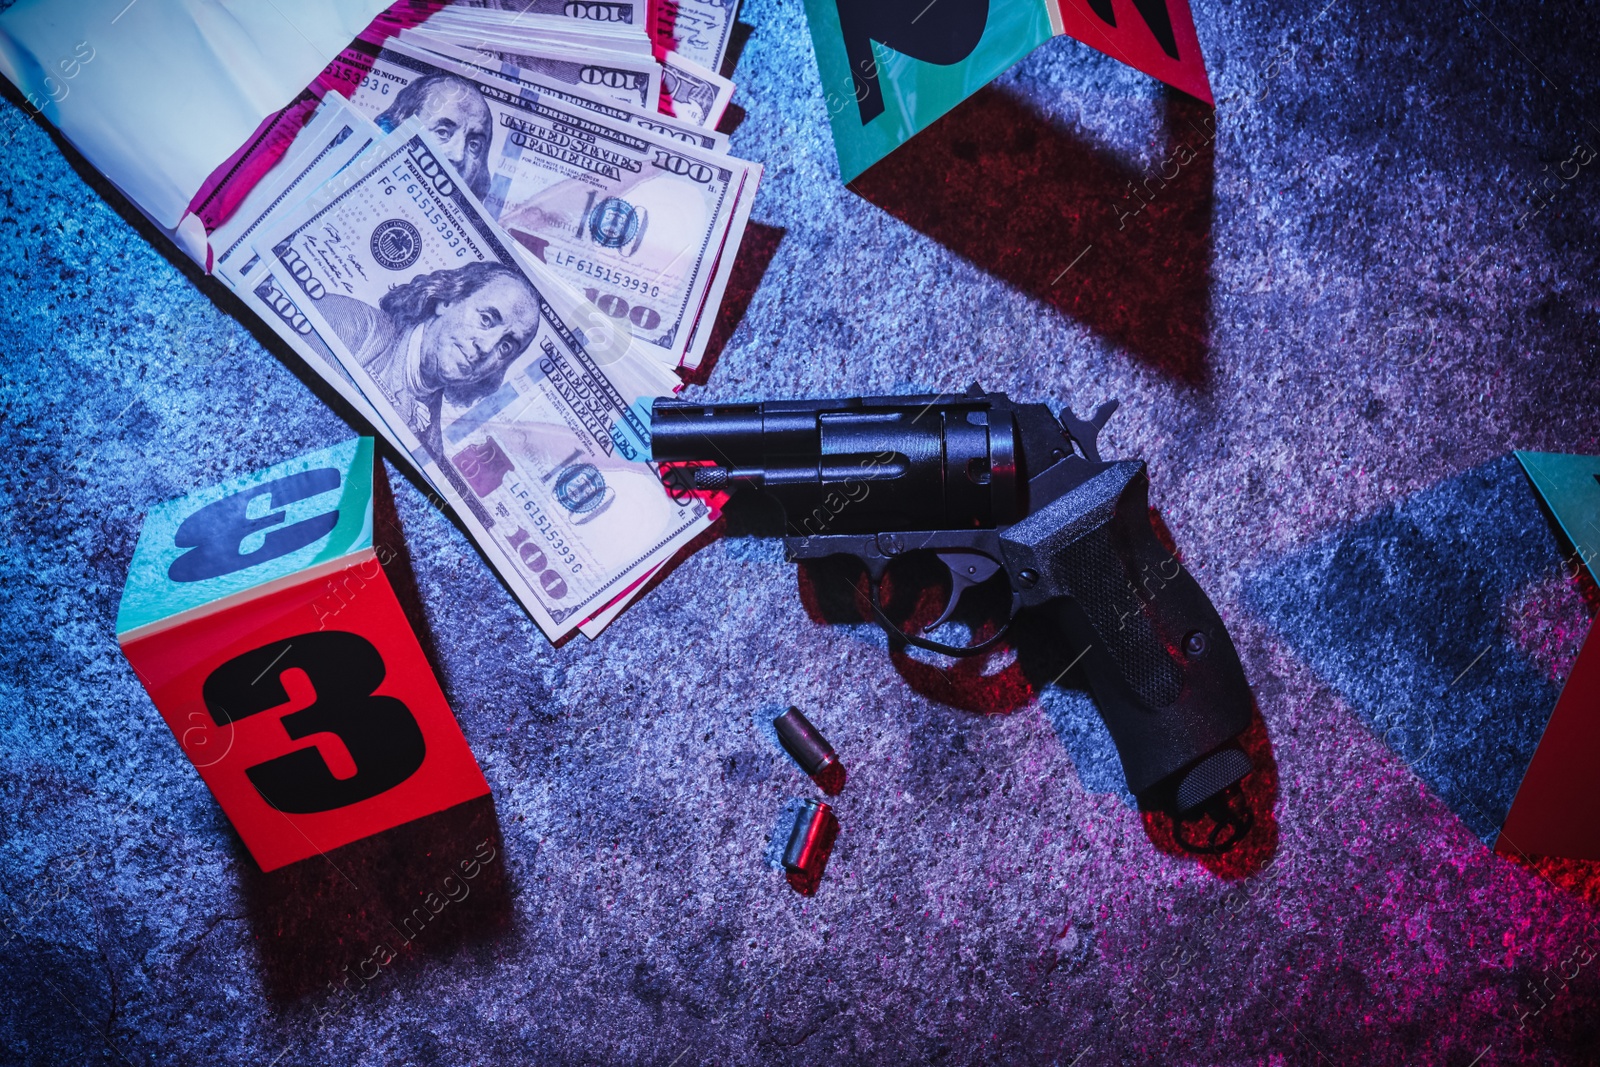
(810,842)
(805,743)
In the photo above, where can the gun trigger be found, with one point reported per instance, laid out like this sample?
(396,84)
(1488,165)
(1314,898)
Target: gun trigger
(967,569)
(1087,434)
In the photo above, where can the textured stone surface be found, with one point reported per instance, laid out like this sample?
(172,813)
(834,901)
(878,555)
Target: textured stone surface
(1323,328)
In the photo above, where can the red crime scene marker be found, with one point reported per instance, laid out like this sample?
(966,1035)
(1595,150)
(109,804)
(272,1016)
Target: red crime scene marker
(259,618)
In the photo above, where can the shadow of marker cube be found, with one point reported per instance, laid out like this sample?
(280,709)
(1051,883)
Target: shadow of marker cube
(258,615)
(1411,616)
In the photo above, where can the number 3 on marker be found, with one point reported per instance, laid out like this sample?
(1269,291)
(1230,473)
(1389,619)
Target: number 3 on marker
(215,534)
(379,732)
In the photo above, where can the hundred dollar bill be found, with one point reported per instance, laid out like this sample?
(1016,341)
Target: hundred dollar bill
(602,12)
(706,317)
(537,29)
(500,65)
(721,272)
(633,220)
(699,29)
(335,135)
(633,79)
(679,483)
(630,78)
(461,344)
(691,92)
(589,12)
(594,624)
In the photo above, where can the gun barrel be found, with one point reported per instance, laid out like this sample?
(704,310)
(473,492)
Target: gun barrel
(857,464)
(735,435)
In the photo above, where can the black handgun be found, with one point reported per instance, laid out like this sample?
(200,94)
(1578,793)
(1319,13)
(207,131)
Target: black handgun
(993,486)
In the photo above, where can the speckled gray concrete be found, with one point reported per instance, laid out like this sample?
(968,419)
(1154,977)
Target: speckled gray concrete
(1348,316)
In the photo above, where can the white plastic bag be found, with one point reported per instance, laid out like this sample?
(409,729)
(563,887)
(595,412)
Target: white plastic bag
(157,93)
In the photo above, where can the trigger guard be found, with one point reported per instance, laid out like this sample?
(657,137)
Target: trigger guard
(959,651)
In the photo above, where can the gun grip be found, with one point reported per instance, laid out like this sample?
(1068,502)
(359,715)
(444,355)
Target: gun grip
(1160,663)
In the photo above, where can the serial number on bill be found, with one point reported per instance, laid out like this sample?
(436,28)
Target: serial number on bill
(601,272)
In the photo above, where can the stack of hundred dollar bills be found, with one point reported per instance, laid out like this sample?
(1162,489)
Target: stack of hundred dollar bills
(498,236)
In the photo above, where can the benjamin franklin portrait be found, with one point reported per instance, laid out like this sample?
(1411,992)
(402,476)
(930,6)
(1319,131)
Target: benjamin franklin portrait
(446,334)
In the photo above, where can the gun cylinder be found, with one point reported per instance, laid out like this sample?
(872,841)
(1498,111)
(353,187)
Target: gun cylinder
(856,465)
